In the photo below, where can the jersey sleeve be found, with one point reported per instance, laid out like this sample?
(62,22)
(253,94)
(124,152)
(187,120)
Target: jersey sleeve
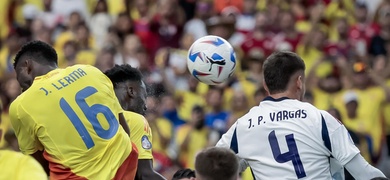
(24,127)
(337,139)
(229,139)
(140,135)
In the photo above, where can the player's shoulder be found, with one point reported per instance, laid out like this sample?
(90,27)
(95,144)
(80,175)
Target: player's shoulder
(18,102)
(133,115)
(134,119)
(85,68)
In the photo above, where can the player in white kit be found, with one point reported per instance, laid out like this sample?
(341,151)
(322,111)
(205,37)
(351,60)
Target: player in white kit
(284,138)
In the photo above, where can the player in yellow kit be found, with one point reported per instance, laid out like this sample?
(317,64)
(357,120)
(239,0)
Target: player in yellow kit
(131,93)
(72,116)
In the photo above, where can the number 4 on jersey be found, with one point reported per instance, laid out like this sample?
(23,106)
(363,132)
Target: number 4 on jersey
(291,155)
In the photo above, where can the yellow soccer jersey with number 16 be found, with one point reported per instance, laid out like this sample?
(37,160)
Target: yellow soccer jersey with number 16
(140,134)
(72,114)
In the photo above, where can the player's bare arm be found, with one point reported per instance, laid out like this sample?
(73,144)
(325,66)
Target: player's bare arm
(146,171)
(123,123)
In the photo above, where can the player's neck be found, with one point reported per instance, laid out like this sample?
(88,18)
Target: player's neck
(44,70)
(287,94)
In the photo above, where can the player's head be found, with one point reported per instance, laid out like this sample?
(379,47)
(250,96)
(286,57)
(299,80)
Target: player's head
(34,59)
(284,72)
(216,163)
(129,87)
(184,174)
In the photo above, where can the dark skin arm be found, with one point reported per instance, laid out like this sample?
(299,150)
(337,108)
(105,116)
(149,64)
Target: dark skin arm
(145,171)
(44,163)
(122,122)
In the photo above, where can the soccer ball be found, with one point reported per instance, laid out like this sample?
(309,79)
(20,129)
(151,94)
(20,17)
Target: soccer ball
(211,60)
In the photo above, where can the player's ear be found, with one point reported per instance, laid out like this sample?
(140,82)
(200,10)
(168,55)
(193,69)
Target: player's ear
(29,65)
(130,91)
(300,82)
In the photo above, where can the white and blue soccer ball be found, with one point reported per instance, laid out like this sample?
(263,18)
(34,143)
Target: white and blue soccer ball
(211,60)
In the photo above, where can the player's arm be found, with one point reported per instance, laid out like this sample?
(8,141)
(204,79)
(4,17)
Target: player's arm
(123,123)
(38,156)
(338,141)
(229,140)
(358,163)
(145,171)
(25,133)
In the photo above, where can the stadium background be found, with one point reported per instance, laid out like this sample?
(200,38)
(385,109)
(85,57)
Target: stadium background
(344,43)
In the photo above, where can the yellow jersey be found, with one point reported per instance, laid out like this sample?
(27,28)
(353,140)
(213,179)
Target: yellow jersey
(72,114)
(369,117)
(166,129)
(188,101)
(5,126)
(386,113)
(15,165)
(198,141)
(140,134)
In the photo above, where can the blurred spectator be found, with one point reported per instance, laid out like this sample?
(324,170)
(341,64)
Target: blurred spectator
(168,23)
(288,38)
(339,45)
(169,110)
(196,25)
(142,26)
(260,94)
(217,118)
(239,107)
(187,99)
(193,137)
(67,7)
(246,20)
(105,59)
(100,22)
(11,46)
(379,42)
(312,46)
(260,40)
(73,20)
(363,30)
(123,26)
(162,133)
(51,19)
(220,5)
(127,55)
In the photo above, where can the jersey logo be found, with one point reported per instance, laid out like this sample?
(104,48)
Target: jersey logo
(146,144)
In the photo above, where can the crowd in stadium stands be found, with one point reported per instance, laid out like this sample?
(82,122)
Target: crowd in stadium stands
(344,43)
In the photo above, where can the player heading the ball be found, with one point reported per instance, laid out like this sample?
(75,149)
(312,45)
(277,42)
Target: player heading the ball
(284,138)
(70,117)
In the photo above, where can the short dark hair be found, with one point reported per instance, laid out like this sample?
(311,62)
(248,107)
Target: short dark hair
(183,173)
(278,69)
(38,51)
(216,163)
(123,73)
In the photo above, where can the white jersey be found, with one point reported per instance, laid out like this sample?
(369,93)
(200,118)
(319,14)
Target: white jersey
(288,139)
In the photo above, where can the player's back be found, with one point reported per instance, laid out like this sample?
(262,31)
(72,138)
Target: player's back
(73,112)
(287,139)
